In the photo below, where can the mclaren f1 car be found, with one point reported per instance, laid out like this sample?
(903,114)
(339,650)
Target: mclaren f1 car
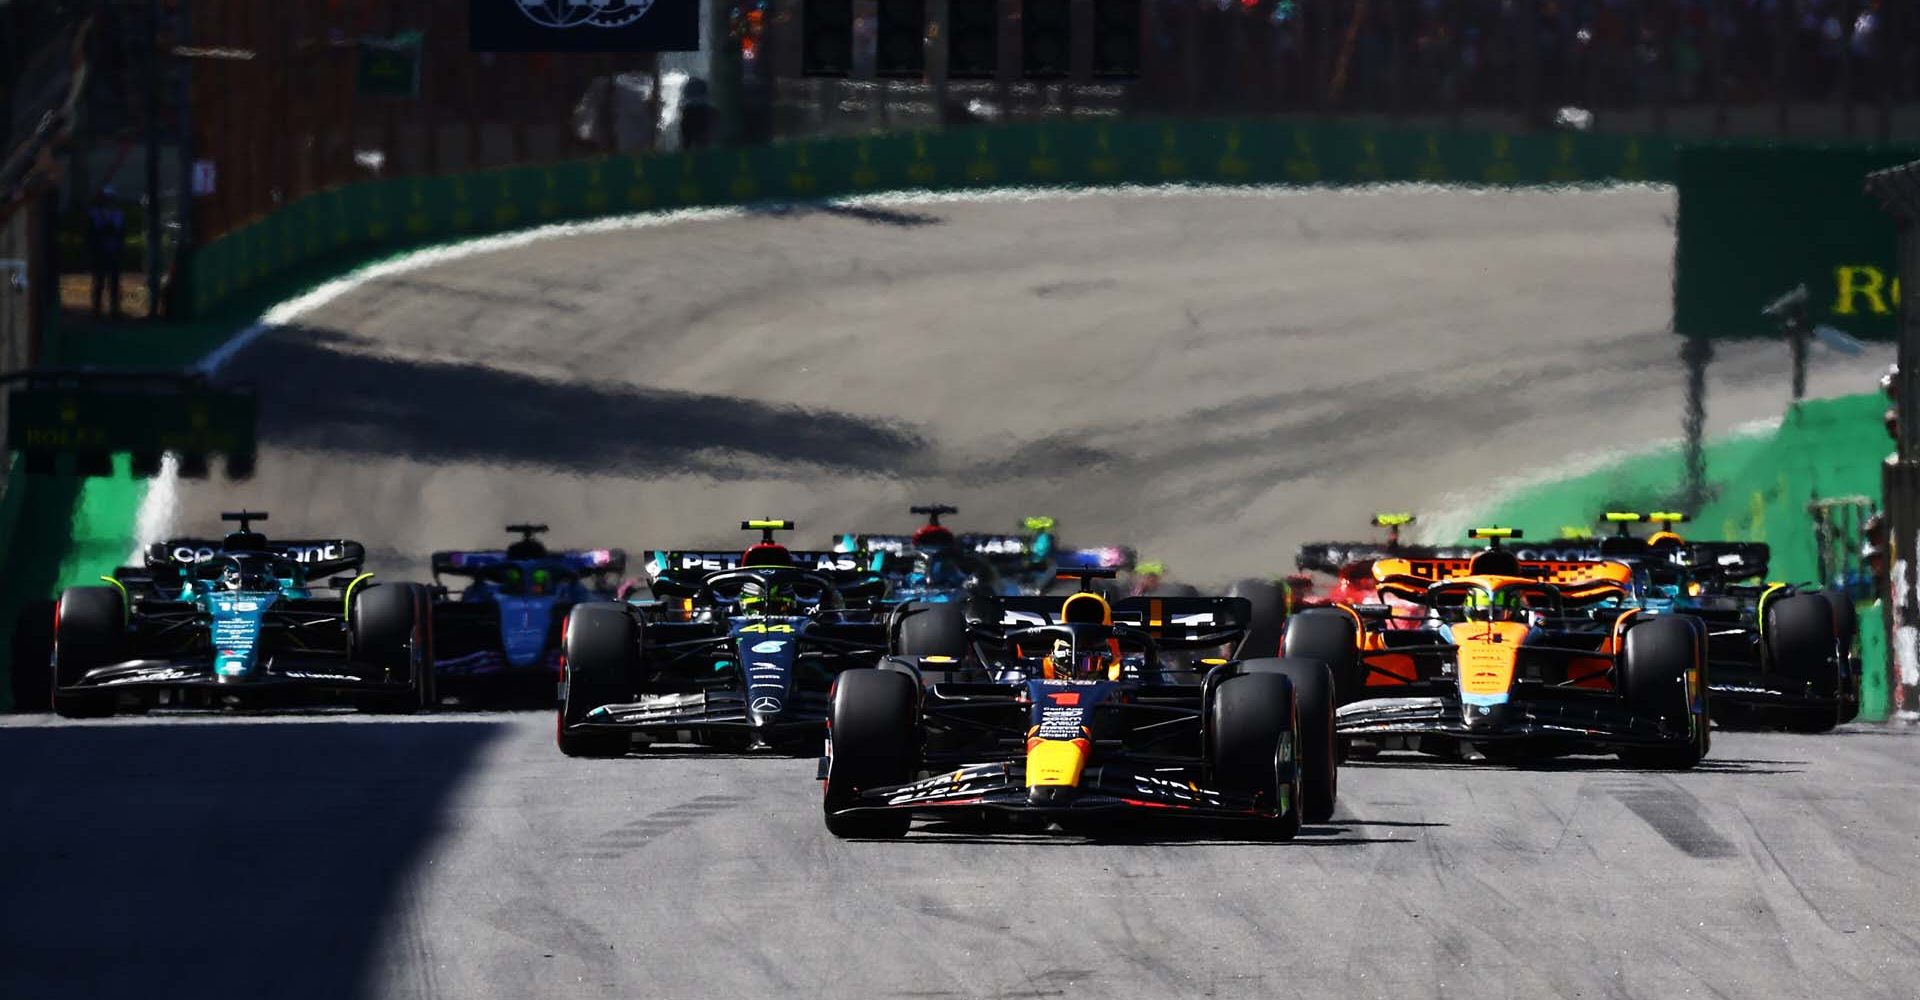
(1072,719)
(737,657)
(239,622)
(1497,660)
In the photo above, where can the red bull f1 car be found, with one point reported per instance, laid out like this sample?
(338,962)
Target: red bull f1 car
(1071,719)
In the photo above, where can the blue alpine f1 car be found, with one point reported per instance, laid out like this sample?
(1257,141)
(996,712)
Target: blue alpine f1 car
(240,622)
(501,630)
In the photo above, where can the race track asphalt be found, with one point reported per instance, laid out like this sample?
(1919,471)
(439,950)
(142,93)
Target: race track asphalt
(1213,378)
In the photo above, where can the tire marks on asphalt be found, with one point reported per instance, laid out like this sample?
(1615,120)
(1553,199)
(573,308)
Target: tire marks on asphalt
(627,838)
(1673,814)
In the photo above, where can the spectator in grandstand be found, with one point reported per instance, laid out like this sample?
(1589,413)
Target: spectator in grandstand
(106,243)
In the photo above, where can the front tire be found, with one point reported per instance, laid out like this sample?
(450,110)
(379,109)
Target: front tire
(390,627)
(932,629)
(1252,741)
(1313,708)
(873,728)
(92,633)
(1269,619)
(1330,636)
(601,653)
(1655,667)
(1803,644)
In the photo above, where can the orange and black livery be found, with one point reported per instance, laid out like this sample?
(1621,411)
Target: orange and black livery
(1497,654)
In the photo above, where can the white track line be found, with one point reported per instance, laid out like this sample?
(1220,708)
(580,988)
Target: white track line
(161,503)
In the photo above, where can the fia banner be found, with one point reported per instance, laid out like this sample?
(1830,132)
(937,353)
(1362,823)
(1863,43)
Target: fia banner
(585,25)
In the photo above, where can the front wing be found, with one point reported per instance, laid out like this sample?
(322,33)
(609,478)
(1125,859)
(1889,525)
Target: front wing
(1598,721)
(194,683)
(1002,787)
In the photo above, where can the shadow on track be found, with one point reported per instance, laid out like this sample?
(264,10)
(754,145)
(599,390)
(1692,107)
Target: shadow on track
(1578,765)
(215,860)
(334,399)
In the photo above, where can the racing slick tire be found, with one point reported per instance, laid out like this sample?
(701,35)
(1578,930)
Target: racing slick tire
(1330,636)
(33,657)
(1653,671)
(1269,619)
(931,629)
(91,633)
(873,727)
(600,653)
(1252,742)
(1313,706)
(390,626)
(1802,645)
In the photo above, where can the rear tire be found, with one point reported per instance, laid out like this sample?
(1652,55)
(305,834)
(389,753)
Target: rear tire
(1252,742)
(1317,754)
(932,629)
(1330,636)
(391,627)
(601,654)
(1654,667)
(1846,623)
(92,633)
(1269,619)
(874,731)
(32,663)
(1803,644)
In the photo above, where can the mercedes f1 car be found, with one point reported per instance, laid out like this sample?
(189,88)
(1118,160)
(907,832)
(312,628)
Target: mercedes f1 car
(239,623)
(936,564)
(741,656)
(1501,660)
(929,572)
(1073,719)
(502,629)
(1778,653)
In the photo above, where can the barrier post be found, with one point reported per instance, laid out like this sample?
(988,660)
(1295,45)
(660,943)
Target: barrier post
(1898,191)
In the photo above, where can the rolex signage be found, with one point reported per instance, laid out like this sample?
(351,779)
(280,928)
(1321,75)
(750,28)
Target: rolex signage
(585,25)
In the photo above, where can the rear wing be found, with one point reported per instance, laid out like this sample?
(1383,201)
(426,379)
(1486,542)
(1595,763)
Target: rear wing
(1003,551)
(1564,573)
(320,556)
(836,566)
(583,561)
(1174,622)
(1332,557)
(1728,561)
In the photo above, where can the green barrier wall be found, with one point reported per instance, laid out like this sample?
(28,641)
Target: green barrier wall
(424,210)
(1757,220)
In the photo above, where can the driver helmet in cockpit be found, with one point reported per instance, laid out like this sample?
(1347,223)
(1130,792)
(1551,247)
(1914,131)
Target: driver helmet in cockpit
(1082,658)
(768,599)
(1502,605)
(236,575)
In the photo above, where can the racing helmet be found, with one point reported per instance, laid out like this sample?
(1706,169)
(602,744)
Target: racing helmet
(933,536)
(239,575)
(1074,661)
(766,598)
(1482,605)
